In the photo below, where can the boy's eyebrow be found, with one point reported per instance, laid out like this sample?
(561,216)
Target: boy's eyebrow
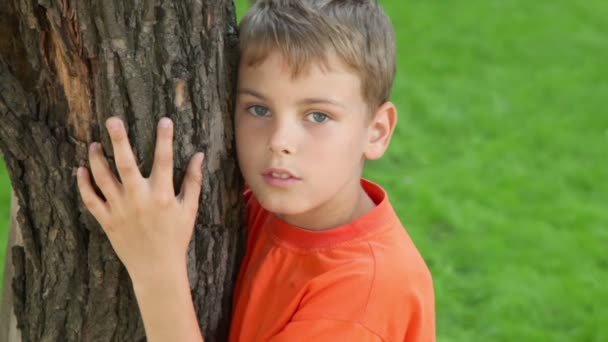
(311,100)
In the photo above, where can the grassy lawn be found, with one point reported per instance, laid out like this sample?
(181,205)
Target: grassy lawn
(499,164)
(5,211)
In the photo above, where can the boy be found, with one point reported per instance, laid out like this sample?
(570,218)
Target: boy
(327,258)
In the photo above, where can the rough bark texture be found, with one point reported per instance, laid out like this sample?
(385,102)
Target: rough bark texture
(65,67)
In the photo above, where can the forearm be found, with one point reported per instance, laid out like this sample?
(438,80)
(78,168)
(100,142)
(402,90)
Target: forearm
(166,307)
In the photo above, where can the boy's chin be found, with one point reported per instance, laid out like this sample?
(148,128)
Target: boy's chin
(282,207)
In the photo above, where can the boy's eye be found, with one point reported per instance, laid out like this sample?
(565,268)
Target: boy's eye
(318,117)
(258,110)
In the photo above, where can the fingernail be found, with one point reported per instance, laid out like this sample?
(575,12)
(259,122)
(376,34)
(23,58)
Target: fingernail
(114,125)
(165,122)
(94,146)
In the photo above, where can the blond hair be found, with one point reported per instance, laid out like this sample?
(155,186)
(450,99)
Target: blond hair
(306,31)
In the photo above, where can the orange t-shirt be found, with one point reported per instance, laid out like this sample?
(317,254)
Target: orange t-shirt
(363,281)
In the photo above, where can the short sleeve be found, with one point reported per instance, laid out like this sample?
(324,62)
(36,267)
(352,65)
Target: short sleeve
(325,330)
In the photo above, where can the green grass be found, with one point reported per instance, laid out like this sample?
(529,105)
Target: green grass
(5,210)
(499,164)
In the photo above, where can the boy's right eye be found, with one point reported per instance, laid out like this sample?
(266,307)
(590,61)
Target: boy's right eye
(258,110)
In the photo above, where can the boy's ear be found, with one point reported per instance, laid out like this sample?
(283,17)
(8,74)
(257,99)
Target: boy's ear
(380,130)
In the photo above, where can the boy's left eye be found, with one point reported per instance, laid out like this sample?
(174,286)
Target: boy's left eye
(318,117)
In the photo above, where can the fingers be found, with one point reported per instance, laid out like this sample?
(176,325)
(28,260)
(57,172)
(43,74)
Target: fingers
(162,169)
(91,200)
(123,154)
(193,182)
(103,175)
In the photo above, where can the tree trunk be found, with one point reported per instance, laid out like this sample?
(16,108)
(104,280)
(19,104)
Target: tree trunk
(65,67)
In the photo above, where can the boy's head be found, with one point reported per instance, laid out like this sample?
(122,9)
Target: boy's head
(358,32)
(312,104)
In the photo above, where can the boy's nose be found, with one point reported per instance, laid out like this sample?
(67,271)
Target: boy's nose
(282,139)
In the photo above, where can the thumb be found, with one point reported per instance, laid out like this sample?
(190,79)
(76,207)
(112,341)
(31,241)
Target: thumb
(193,182)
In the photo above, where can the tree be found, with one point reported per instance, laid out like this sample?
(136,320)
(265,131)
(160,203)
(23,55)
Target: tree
(65,67)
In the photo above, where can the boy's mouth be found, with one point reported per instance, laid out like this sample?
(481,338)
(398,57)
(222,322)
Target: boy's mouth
(280,178)
(279,173)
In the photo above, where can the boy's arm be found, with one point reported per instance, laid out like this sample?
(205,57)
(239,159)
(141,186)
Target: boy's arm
(166,307)
(149,227)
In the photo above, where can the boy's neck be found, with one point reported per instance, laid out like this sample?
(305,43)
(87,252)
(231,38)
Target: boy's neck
(352,203)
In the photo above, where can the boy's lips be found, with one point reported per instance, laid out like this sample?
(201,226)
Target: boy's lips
(279,173)
(280,178)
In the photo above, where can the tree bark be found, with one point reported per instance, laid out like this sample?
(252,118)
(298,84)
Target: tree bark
(65,67)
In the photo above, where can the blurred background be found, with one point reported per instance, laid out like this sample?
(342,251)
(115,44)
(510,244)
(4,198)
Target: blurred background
(499,164)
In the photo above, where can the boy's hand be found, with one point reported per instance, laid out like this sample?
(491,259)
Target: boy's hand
(148,226)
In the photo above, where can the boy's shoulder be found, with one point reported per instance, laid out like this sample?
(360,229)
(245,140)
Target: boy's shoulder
(380,282)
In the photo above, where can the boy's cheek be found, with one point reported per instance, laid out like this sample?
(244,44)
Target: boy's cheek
(242,121)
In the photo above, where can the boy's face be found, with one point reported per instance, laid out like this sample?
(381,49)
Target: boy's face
(314,127)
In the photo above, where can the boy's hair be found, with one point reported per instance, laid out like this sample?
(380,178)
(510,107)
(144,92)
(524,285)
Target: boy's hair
(307,31)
